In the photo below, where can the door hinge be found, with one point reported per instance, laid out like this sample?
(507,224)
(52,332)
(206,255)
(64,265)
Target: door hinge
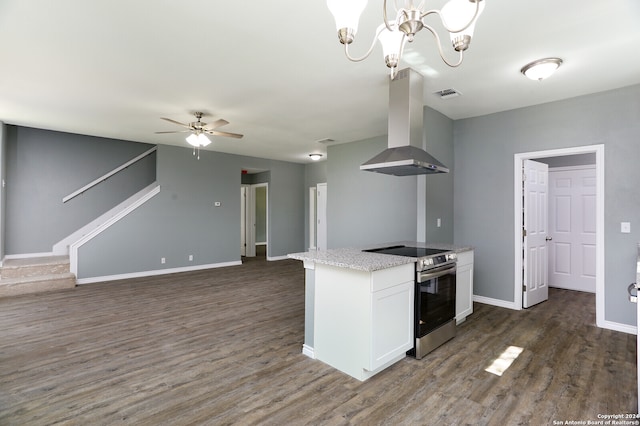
(524,287)
(524,176)
(524,232)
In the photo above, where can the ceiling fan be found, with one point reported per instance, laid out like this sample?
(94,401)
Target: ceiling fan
(198,128)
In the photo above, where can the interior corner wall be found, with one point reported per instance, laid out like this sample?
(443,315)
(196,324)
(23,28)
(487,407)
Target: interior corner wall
(438,200)
(484,149)
(363,207)
(3,177)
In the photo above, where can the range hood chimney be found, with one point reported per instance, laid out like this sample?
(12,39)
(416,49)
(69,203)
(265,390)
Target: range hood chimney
(404,155)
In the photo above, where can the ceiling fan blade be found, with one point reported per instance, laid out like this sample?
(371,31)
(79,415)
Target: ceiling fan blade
(227,134)
(175,122)
(218,123)
(173,131)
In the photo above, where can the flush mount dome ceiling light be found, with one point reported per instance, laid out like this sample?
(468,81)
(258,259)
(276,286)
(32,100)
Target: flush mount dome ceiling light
(458,17)
(315,157)
(542,68)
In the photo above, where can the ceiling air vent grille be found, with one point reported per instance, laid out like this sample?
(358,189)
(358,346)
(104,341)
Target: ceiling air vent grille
(447,93)
(325,140)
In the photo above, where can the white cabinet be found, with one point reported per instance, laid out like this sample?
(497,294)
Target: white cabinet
(464,286)
(363,320)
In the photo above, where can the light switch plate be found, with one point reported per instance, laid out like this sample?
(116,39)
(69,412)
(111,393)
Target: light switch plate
(625,227)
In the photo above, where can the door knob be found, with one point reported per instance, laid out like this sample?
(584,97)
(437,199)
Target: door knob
(548,239)
(633,297)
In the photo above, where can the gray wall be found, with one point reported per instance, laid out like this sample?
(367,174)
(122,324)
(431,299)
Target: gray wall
(44,166)
(438,141)
(365,208)
(182,220)
(484,150)
(569,160)
(3,194)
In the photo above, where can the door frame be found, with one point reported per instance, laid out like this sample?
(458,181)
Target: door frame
(517,211)
(264,185)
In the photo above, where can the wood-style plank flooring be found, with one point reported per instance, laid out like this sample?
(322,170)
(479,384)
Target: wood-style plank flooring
(223,347)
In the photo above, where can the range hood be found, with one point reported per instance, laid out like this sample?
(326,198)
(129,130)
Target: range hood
(404,155)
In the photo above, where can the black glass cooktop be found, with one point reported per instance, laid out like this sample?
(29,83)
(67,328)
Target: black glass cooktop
(407,251)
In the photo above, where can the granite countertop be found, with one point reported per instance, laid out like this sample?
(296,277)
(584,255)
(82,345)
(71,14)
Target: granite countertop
(355,258)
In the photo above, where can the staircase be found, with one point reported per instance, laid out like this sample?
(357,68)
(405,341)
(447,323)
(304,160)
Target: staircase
(35,275)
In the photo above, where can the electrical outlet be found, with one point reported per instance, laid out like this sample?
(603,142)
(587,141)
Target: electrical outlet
(438,223)
(190,258)
(163,260)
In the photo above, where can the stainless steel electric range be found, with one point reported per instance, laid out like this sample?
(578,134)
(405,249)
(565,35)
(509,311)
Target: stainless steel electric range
(435,295)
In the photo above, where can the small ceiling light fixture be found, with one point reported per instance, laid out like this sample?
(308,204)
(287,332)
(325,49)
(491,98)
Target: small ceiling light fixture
(315,157)
(198,140)
(542,68)
(458,17)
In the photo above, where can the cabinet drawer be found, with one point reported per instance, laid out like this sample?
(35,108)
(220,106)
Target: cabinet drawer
(465,258)
(390,277)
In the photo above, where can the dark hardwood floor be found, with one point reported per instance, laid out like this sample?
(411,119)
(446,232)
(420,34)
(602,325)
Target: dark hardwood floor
(223,347)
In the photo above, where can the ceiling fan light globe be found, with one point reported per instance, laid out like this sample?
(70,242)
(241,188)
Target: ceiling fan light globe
(203,140)
(192,139)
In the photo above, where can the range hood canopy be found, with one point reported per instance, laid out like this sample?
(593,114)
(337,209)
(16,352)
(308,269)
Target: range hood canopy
(404,161)
(404,155)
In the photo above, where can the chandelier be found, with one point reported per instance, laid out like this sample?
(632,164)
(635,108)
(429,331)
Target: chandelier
(458,17)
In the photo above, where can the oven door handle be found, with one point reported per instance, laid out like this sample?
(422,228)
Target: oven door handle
(422,277)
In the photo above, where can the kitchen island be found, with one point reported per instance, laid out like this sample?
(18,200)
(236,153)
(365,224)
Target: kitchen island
(359,308)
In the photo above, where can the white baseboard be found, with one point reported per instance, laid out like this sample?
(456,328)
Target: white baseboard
(610,325)
(617,326)
(308,351)
(156,272)
(496,302)
(28,255)
(270,258)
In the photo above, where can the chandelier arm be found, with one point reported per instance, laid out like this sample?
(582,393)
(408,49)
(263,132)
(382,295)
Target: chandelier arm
(384,15)
(366,55)
(394,70)
(444,24)
(435,34)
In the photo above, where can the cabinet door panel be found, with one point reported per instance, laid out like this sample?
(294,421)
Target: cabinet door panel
(392,323)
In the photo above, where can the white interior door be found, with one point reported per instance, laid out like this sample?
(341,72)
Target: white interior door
(572,227)
(535,190)
(321,216)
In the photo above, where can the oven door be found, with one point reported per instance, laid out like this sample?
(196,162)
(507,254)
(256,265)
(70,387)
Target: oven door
(435,298)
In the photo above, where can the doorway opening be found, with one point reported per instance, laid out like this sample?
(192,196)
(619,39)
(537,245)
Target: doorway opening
(254,216)
(318,217)
(519,212)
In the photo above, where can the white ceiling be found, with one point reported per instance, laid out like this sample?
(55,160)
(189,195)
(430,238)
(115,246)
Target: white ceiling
(276,70)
